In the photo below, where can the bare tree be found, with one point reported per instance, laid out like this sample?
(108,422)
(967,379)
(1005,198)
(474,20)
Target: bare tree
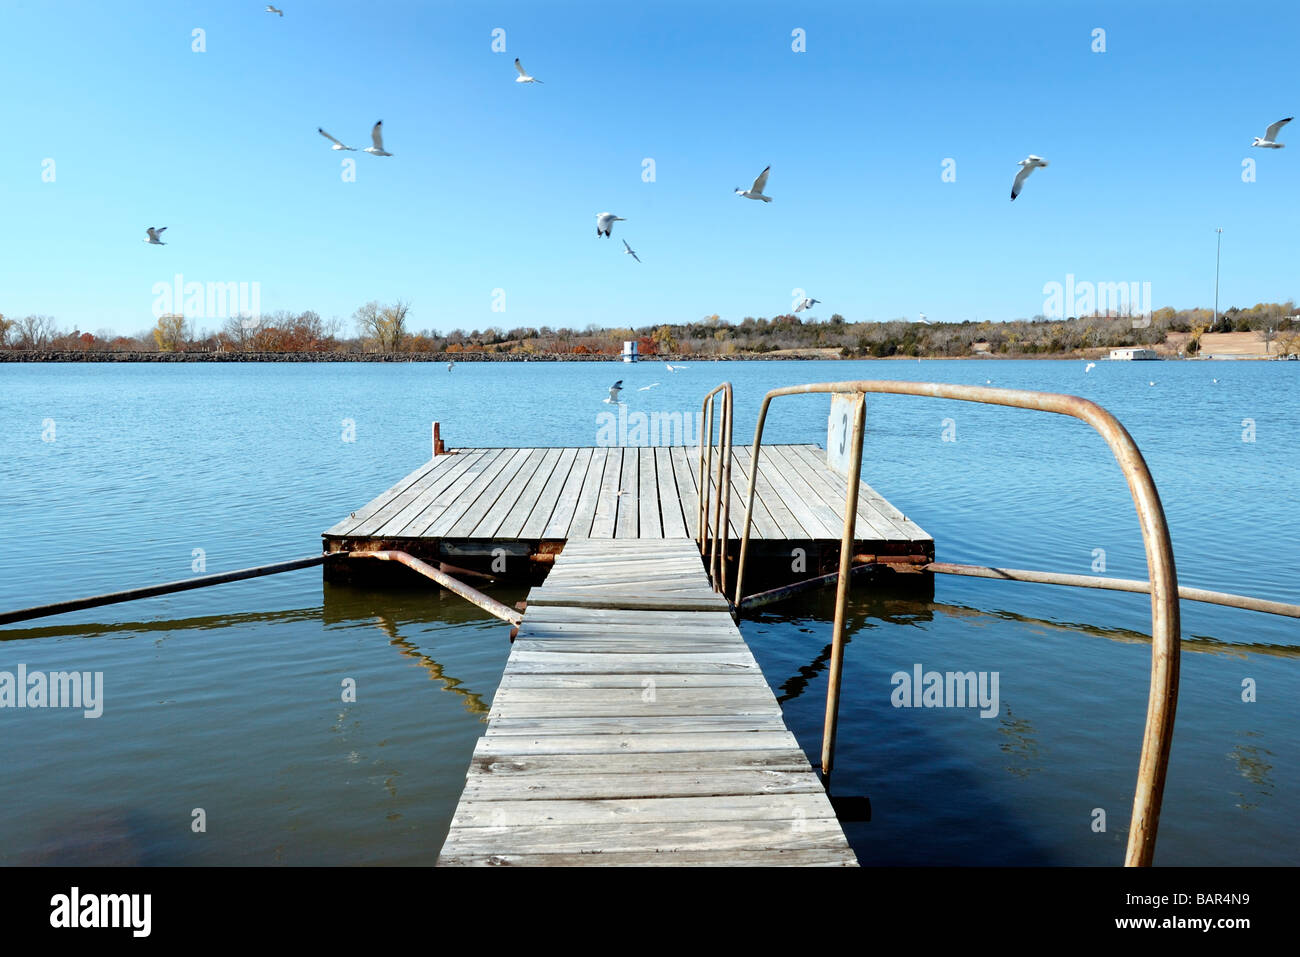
(35,332)
(1267,335)
(384,325)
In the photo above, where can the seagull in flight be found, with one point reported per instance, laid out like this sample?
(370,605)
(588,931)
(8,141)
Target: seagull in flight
(1030,163)
(605,222)
(523,76)
(630,252)
(154,232)
(922,320)
(806,304)
(614,390)
(337,145)
(1089,367)
(645,388)
(377,137)
(756,191)
(271,9)
(1269,139)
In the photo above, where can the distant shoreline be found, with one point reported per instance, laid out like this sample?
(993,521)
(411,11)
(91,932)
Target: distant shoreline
(455,357)
(458,357)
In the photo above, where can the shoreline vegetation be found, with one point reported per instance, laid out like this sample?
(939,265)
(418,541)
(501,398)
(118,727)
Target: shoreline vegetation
(381,334)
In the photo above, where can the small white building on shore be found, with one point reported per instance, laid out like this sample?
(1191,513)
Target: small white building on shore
(1131,352)
(629,351)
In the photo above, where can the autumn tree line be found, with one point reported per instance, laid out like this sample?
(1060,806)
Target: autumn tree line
(388,328)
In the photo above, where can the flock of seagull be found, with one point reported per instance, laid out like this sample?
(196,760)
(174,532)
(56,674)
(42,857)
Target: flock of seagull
(605,221)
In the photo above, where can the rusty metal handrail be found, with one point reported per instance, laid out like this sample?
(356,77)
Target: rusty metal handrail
(1162,699)
(152,591)
(486,602)
(721,510)
(1185,593)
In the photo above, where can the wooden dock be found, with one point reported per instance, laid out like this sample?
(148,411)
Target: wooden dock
(533,500)
(633,726)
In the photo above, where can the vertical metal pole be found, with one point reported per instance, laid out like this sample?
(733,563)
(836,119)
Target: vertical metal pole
(1218,244)
(717,494)
(705,437)
(842,593)
(726,484)
(749,498)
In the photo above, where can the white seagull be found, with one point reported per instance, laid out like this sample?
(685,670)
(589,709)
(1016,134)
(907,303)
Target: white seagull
(337,145)
(806,304)
(1030,163)
(377,137)
(1089,367)
(271,9)
(154,232)
(523,76)
(1269,139)
(605,222)
(756,191)
(645,388)
(628,250)
(922,320)
(614,390)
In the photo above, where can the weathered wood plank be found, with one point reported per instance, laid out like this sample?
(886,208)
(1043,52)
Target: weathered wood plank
(411,482)
(566,506)
(607,504)
(629,496)
(794,834)
(670,501)
(530,499)
(634,766)
(792,808)
(602,785)
(589,744)
(508,498)
(775,857)
(649,522)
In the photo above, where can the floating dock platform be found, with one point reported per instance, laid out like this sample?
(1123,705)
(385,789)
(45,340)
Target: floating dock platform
(632,725)
(464,506)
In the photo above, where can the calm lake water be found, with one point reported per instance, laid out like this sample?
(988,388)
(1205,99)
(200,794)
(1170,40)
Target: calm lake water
(228,699)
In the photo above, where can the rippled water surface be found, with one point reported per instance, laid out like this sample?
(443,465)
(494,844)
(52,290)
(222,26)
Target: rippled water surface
(228,699)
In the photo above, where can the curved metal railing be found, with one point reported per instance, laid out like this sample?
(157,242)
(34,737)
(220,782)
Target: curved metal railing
(1162,699)
(711,541)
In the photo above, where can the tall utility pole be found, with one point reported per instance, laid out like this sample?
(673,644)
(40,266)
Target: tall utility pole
(1217,245)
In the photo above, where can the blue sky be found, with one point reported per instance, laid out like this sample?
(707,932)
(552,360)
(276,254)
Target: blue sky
(496,185)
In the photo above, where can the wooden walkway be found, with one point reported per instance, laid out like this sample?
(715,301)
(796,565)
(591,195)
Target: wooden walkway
(634,727)
(562,494)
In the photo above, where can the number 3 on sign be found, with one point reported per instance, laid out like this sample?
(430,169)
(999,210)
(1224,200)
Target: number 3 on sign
(838,429)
